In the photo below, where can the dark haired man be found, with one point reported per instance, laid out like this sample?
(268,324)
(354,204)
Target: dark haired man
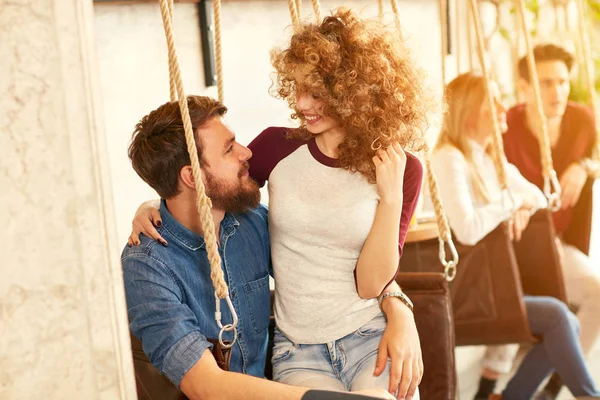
(573,136)
(170,295)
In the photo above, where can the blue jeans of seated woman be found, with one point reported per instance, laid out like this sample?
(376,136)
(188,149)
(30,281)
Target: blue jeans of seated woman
(558,350)
(343,365)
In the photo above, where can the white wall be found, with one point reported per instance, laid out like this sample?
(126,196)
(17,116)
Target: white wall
(63,321)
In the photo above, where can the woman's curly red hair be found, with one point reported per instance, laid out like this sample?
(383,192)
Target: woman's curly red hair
(364,74)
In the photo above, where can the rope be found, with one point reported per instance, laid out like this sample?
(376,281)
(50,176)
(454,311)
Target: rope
(442,221)
(558,22)
(444,31)
(445,236)
(497,153)
(470,41)
(588,66)
(550,178)
(299,9)
(294,14)
(203,202)
(396,16)
(172,88)
(317,9)
(458,42)
(218,53)
(515,59)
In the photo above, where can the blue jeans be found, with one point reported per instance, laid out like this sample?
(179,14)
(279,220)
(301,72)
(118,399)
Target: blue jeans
(343,365)
(558,350)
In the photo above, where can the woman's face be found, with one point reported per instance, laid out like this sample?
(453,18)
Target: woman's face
(485,120)
(310,108)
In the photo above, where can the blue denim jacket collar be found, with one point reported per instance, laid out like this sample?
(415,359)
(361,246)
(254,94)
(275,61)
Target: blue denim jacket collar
(187,238)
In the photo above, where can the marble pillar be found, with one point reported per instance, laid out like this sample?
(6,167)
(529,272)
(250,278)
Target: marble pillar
(63,322)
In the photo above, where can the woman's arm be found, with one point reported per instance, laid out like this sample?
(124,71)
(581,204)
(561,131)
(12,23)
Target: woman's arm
(470,224)
(146,217)
(531,195)
(399,178)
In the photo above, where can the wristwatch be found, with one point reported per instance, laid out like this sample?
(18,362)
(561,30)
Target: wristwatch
(403,298)
(587,166)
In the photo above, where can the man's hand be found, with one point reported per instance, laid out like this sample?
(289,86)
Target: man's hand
(400,342)
(571,183)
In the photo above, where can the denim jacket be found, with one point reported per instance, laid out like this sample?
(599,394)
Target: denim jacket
(171,301)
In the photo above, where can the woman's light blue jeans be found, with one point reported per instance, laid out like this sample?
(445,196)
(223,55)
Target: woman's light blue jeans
(343,365)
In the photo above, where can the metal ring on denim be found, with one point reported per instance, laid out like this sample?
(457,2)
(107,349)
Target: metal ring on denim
(228,328)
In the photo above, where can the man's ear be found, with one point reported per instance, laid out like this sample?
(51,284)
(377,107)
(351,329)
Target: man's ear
(187,178)
(523,86)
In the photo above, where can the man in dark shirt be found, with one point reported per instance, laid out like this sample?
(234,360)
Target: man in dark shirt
(573,136)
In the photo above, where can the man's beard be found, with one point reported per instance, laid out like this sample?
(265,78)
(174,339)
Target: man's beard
(236,198)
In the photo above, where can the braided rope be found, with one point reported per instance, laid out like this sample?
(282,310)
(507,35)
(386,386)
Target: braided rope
(172,88)
(218,52)
(396,16)
(434,191)
(515,58)
(380,9)
(203,202)
(316,8)
(470,42)
(550,180)
(497,153)
(444,38)
(445,236)
(299,9)
(444,233)
(294,14)
(588,67)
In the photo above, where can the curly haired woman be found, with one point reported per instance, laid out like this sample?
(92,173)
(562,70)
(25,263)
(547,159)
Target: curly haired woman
(342,192)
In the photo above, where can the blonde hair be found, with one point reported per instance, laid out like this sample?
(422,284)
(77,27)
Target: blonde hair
(464,96)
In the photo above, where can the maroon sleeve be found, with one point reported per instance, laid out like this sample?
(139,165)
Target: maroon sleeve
(268,148)
(413,178)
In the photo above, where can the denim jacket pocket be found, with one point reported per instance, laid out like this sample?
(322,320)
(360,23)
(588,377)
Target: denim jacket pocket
(260,312)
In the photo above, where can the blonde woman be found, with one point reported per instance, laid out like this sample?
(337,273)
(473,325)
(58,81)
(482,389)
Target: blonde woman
(473,201)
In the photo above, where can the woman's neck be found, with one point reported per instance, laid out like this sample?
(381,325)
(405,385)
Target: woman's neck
(483,140)
(329,141)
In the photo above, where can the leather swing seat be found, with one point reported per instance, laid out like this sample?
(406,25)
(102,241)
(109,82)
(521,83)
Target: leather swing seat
(492,277)
(433,316)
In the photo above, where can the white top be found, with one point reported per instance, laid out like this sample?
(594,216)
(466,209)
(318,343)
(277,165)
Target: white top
(319,218)
(315,249)
(470,219)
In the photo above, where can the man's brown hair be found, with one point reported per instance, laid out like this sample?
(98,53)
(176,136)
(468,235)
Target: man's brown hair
(158,149)
(546,52)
